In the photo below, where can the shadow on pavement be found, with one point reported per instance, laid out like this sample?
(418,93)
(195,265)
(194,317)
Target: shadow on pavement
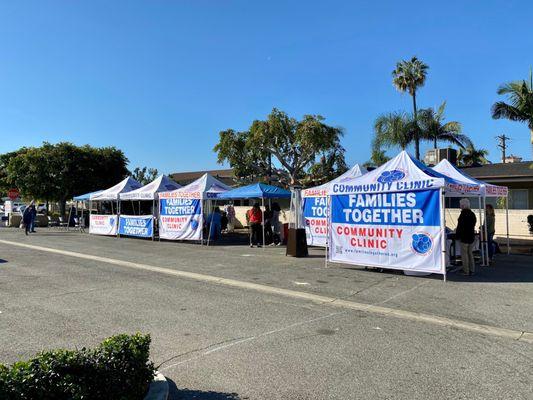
(190,394)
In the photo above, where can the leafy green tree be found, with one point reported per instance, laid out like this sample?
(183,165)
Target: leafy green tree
(432,127)
(57,172)
(409,76)
(520,103)
(295,145)
(471,157)
(330,165)
(396,129)
(144,175)
(377,158)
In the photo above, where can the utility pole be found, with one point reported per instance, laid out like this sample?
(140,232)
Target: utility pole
(502,144)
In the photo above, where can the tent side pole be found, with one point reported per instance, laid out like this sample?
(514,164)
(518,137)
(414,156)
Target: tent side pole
(485,233)
(328,229)
(153,219)
(507,222)
(211,223)
(118,216)
(263,221)
(443,230)
(202,207)
(481,238)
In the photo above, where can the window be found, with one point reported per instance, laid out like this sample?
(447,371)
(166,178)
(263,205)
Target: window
(518,199)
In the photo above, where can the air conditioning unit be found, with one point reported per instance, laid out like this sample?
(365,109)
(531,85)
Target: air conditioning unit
(434,156)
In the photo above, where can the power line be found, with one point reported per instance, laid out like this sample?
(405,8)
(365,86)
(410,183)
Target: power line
(502,144)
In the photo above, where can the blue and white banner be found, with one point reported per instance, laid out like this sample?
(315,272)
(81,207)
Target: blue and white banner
(388,230)
(316,221)
(136,225)
(103,224)
(180,219)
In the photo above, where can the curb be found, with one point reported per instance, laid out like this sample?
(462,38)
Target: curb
(158,388)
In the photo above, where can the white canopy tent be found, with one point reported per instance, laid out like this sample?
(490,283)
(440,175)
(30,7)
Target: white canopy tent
(315,206)
(181,211)
(393,217)
(486,190)
(106,224)
(138,224)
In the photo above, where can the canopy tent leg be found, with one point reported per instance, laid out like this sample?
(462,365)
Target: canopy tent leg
(443,232)
(328,229)
(263,221)
(202,205)
(485,233)
(481,238)
(507,223)
(211,223)
(153,218)
(118,217)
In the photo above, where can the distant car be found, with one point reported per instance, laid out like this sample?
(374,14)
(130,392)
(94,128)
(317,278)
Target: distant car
(41,208)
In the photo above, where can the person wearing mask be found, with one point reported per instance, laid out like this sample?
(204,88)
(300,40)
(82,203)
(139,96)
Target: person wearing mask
(465,233)
(214,224)
(254,216)
(490,219)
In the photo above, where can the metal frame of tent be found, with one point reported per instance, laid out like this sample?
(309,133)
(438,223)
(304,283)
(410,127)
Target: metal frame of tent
(267,191)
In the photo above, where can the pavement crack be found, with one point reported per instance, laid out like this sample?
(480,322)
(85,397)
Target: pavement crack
(208,347)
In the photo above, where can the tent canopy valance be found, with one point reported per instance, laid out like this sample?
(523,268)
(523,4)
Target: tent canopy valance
(323,190)
(205,187)
(126,185)
(400,174)
(446,168)
(86,196)
(150,191)
(256,191)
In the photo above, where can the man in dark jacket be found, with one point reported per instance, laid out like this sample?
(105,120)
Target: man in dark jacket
(466,234)
(26,219)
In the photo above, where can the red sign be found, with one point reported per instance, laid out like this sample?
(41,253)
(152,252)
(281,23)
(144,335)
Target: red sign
(13,194)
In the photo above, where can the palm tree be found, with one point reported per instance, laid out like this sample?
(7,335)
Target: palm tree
(408,76)
(432,127)
(470,157)
(520,96)
(395,129)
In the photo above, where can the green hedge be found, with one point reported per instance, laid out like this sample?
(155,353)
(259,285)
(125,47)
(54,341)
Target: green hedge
(118,368)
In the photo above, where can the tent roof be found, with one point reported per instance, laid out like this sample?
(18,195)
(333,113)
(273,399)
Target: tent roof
(126,185)
(204,187)
(256,191)
(150,190)
(323,190)
(448,169)
(402,173)
(86,196)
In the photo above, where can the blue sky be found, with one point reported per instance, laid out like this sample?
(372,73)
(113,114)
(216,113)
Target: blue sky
(160,79)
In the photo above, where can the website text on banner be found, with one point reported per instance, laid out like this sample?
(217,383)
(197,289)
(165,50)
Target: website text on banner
(136,225)
(180,219)
(388,230)
(103,224)
(316,220)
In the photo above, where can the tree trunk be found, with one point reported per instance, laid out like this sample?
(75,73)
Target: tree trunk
(435,142)
(417,139)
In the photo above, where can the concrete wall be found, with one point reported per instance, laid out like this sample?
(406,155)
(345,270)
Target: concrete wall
(518,228)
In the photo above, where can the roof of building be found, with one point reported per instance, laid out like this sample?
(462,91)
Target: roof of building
(224,175)
(516,170)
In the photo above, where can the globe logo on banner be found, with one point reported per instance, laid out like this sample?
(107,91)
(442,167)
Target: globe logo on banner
(111,221)
(422,243)
(194,224)
(391,176)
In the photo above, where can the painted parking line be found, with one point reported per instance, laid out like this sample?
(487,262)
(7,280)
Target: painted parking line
(522,336)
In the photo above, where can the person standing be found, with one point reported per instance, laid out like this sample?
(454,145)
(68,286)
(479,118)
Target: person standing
(465,233)
(276,225)
(33,214)
(490,218)
(254,216)
(268,225)
(26,219)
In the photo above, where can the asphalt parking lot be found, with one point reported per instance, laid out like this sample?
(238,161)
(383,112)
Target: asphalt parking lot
(224,338)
